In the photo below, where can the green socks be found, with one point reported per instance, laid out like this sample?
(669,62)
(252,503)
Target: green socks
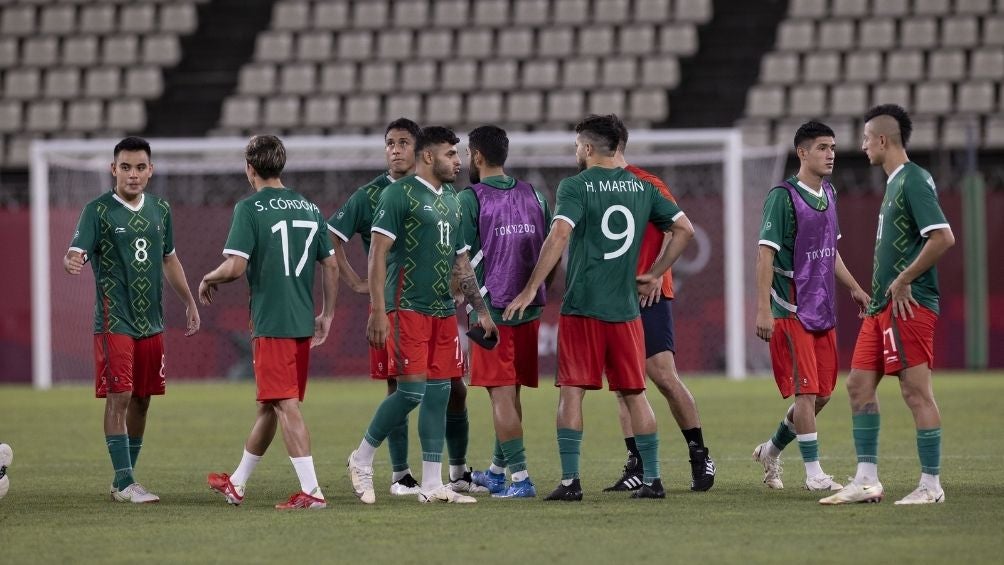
(457,430)
(808,445)
(397,444)
(432,419)
(394,410)
(135,444)
(498,456)
(929,449)
(569,448)
(515,454)
(866,434)
(782,436)
(118,449)
(648,448)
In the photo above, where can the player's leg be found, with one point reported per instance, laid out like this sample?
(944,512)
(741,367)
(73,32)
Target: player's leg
(402,481)
(136,424)
(630,478)
(294,430)
(495,369)
(506,414)
(457,437)
(233,486)
(782,359)
(569,423)
(148,380)
(814,376)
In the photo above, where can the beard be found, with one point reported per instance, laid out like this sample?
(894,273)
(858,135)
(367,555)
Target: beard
(582,164)
(474,174)
(444,172)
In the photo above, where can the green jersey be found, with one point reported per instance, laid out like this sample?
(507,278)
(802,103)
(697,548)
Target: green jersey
(356,215)
(425,225)
(470,210)
(281,234)
(777,230)
(126,246)
(910,211)
(608,210)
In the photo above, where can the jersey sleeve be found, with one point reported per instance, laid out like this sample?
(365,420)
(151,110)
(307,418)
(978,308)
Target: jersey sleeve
(776,214)
(168,228)
(390,212)
(241,239)
(548,214)
(570,205)
(323,246)
(345,222)
(470,208)
(664,211)
(922,200)
(85,237)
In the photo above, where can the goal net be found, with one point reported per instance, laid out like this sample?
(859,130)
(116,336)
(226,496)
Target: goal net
(717,182)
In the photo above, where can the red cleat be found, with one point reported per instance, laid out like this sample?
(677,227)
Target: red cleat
(220,482)
(302,500)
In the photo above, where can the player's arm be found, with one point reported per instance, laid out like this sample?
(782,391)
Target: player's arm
(345,270)
(231,269)
(764,279)
(174,272)
(73,262)
(681,231)
(857,293)
(84,240)
(467,284)
(550,255)
(329,293)
(655,295)
(378,325)
(900,293)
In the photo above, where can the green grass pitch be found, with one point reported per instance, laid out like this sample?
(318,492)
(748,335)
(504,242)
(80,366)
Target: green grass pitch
(58,508)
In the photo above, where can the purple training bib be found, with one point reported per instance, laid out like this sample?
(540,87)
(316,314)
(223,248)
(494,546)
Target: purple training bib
(815,260)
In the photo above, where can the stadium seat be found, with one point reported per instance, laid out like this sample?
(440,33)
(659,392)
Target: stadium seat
(636,39)
(379,77)
(273,47)
(62,84)
(890,7)
(498,75)
(579,73)
(338,77)
(849,8)
(120,49)
(843,131)
(370,15)
(102,82)
(162,50)
(976,97)
(80,51)
(946,65)
(570,11)
(597,41)
(18,148)
(864,66)
(696,11)
(10,115)
(648,105)
(836,34)
(484,107)
(22,84)
(904,66)
(807,100)
(993,30)
(491,13)
(618,72)
(331,15)
(524,107)
(419,76)
(565,106)
(679,39)
(987,63)
(321,111)
(877,34)
(292,16)
(137,18)
(18,21)
(607,102)
(451,13)
(918,33)
(961,131)
(516,43)
(407,105)
(411,14)
(362,110)
(355,45)
(97,18)
(807,9)
(779,68)
(931,7)
(821,67)
(178,18)
(976,7)
(460,75)
(8,52)
(298,78)
(240,112)
(282,112)
(256,79)
(436,44)
(765,101)
(558,42)
(933,98)
(39,51)
(994,131)
(126,115)
(610,11)
(540,75)
(848,99)
(530,12)
(395,45)
(960,31)
(798,35)
(314,46)
(85,115)
(475,43)
(144,82)
(660,71)
(756,133)
(925,133)
(891,94)
(652,10)
(443,108)
(59,20)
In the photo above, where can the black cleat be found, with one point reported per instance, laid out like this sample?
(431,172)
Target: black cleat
(571,493)
(631,479)
(653,490)
(702,469)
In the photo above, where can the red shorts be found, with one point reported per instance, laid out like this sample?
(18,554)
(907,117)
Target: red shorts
(280,367)
(378,363)
(587,347)
(420,344)
(888,345)
(123,363)
(804,362)
(512,362)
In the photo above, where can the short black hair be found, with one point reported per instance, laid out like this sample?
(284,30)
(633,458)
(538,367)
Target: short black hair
(492,142)
(895,111)
(405,124)
(622,132)
(602,131)
(434,135)
(267,155)
(811,130)
(133,143)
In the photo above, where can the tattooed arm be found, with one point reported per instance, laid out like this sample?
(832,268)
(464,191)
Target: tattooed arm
(462,279)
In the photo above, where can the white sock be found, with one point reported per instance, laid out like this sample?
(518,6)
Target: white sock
(457,471)
(365,453)
(432,475)
(933,482)
(567,482)
(520,476)
(305,472)
(812,468)
(398,475)
(772,450)
(867,474)
(248,462)
(496,469)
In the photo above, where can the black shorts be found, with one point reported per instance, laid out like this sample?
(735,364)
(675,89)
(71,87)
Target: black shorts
(657,321)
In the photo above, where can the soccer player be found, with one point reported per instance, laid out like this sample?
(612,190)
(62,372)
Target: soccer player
(505,221)
(356,216)
(128,237)
(416,246)
(796,300)
(660,362)
(602,212)
(276,236)
(897,335)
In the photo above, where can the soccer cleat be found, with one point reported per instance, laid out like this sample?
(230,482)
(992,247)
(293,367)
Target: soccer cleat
(854,492)
(404,486)
(302,501)
(771,466)
(570,493)
(445,494)
(220,482)
(518,489)
(494,482)
(466,484)
(923,495)
(112,490)
(135,493)
(631,479)
(361,477)
(822,482)
(702,469)
(653,490)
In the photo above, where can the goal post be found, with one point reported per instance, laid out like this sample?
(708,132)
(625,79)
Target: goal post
(203,178)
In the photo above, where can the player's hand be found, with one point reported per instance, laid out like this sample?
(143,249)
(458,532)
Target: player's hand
(206,292)
(647,284)
(322,325)
(73,263)
(362,287)
(650,298)
(192,314)
(902,299)
(377,328)
(516,308)
(764,324)
(486,322)
(862,299)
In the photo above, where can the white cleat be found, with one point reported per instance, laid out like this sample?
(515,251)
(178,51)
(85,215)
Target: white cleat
(404,486)
(854,492)
(771,466)
(134,493)
(466,484)
(445,494)
(822,482)
(361,477)
(923,495)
